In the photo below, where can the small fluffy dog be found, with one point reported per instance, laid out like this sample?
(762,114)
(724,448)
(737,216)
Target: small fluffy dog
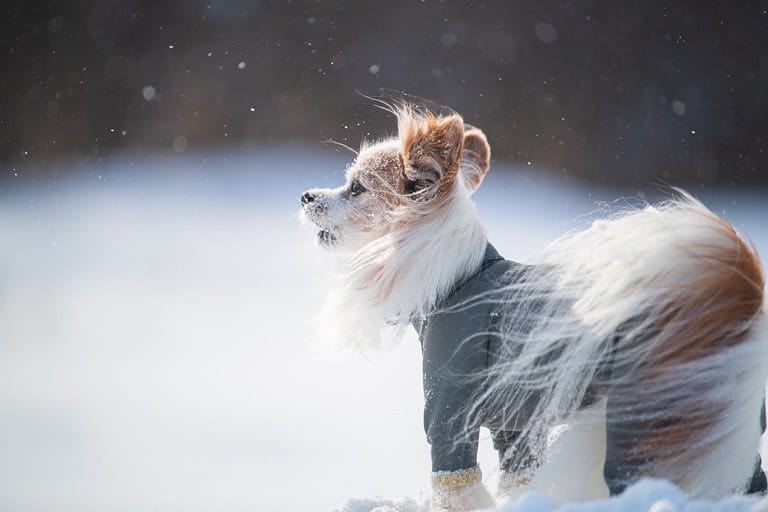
(636,347)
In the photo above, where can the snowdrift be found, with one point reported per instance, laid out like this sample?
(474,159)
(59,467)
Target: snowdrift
(647,495)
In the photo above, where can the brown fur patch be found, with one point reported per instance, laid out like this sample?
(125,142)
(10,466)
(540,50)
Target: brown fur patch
(717,312)
(431,148)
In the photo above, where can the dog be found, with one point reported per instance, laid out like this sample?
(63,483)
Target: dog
(641,339)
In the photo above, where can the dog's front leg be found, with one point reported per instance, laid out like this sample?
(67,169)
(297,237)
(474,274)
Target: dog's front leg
(459,491)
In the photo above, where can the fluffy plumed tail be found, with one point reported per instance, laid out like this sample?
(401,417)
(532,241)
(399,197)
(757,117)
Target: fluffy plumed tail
(660,310)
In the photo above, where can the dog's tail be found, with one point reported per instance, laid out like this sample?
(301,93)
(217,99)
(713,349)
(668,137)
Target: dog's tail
(660,310)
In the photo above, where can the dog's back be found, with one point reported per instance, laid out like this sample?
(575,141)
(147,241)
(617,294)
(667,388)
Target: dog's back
(658,310)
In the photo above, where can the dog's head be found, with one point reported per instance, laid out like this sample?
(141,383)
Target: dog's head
(400,180)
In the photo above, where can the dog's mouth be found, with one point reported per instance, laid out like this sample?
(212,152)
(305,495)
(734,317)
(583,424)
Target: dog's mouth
(325,237)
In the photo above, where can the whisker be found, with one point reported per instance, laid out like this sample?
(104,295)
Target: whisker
(331,141)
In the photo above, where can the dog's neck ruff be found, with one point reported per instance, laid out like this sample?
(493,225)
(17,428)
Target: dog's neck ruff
(403,275)
(490,256)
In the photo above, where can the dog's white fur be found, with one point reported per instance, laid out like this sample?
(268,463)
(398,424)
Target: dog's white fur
(389,276)
(413,233)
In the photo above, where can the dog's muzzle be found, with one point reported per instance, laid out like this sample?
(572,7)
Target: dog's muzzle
(309,203)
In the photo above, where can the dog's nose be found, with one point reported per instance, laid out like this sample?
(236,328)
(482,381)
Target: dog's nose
(307,198)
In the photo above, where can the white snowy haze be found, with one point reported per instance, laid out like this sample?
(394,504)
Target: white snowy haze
(157,348)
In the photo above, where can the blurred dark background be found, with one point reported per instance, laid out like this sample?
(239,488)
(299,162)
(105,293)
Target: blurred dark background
(612,91)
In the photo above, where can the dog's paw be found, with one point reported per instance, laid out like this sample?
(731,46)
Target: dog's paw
(460,491)
(512,485)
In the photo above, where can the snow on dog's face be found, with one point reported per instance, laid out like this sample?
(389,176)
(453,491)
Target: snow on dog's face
(398,181)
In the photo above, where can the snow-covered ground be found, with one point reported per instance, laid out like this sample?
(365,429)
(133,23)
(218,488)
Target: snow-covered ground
(157,351)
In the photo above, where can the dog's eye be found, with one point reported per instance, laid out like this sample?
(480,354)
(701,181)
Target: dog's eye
(411,187)
(355,188)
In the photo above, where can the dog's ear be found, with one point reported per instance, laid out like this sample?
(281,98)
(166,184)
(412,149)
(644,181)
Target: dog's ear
(475,157)
(430,147)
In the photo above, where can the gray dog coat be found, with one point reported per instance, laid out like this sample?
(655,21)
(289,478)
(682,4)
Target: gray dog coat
(459,341)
